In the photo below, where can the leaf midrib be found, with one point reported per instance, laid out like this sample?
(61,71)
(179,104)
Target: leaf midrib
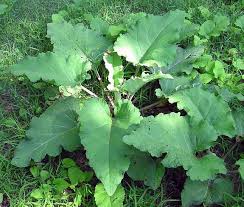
(155,40)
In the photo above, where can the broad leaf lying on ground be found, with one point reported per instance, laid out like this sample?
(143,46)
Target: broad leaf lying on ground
(152,42)
(208,192)
(133,84)
(171,134)
(238,116)
(102,135)
(55,129)
(104,200)
(144,168)
(240,162)
(206,113)
(66,71)
(183,63)
(113,63)
(68,39)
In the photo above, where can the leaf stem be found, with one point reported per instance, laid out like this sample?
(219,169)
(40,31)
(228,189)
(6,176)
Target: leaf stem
(106,92)
(232,148)
(145,108)
(88,91)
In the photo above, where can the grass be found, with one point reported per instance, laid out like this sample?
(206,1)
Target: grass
(23,32)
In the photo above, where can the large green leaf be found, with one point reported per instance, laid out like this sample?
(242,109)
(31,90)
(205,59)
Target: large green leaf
(146,169)
(240,162)
(183,63)
(171,134)
(102,135)
(152,42)
(206,113)
(133,84)
(76,39)
(208,192)
(104,200)
(55,129)
(170,86)
(67,71)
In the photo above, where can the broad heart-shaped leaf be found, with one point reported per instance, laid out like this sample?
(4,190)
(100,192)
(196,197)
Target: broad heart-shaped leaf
(183,63)
(113,63)
(152,42)
(171,134)
(104,200)
(55,129)
(206,113)
(68,39)
(238,116)
(133,84)
(208,192)
(102,138)
(146,169)
(66,71)
(240,162)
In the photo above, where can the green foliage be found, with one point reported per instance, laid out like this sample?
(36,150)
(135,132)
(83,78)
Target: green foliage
(152,42)
(61,185)
(113,64)
(240,22)
(55,128)
(77,40)
(145,168)
(135,83)
(238,116)
(241,167)
(3,8)
(102,138)
(208,192)
(206,112)
(213,28)
(171,134)
(104,200)
(184,60)
(126,58)
(66,71)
